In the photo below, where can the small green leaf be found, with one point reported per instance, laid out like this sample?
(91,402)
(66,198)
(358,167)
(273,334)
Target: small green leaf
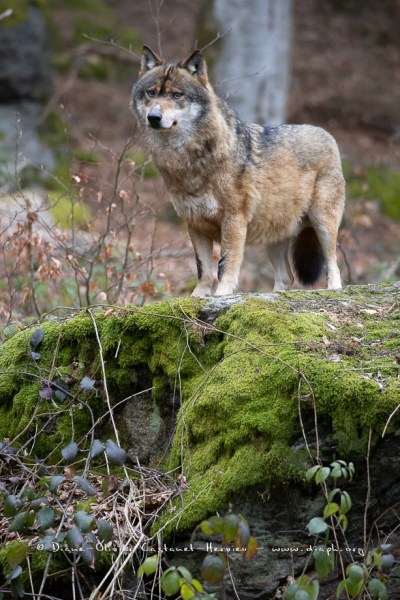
(252,548)
(20,522)
(85,485)
(187,592)
(14,573)
(70,451)
(333,493)
(340,588)
(213,569)
(388,560)
(197,585)
(377,590)
(149,566)
(301,595)
(12,504)
(317,526)
(54,482)
(343,522)
(170,582)
(84,521)
(291,591)
(45,518)
(322,475)
(313,590)
(74,539)
(87,383)
(96,448)
(336,472)
(115,454)
(355,573)
(345,503)
(47,543)
(243,536)
(324,561)
(310,474)
(88,555)
(331,509)
(104,530)
(206,528)
(16,553)
(37,338)
(377,556)
(216,524)
(39,503)
(187,576)
(354,587)
(61,390)
(231,527)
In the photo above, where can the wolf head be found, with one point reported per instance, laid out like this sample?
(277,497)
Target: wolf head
(170,97)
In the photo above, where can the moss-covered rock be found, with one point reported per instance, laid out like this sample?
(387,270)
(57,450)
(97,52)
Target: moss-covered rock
(239,383)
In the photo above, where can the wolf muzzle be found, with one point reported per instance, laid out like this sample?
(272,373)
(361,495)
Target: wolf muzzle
(154,117)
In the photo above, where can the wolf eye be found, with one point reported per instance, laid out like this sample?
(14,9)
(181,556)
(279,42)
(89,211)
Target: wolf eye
(177,95)
(150,93)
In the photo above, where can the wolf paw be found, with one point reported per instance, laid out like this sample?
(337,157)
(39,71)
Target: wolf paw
(201,292)
(224,290)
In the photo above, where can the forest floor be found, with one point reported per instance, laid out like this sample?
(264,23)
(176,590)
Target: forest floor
(345,78)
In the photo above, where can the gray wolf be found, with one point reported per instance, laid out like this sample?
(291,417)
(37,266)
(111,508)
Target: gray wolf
(237,182)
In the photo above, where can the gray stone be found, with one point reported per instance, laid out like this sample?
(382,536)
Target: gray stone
(20,146)
(24,59)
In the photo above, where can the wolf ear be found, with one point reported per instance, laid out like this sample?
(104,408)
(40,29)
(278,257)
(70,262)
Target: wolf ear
(149,60)
(196,65)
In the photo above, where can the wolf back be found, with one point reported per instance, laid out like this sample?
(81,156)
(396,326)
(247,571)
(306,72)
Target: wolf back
(236,182)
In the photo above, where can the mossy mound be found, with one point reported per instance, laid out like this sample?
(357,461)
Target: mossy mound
(238,427)
(240,381)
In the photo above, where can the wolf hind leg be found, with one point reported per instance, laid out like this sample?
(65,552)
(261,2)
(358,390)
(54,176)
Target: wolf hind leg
(278,254)
(327,235)
(325,217)
(203,248)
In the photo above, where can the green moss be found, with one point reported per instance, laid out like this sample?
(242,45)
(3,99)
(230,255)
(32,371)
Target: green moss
(239,382)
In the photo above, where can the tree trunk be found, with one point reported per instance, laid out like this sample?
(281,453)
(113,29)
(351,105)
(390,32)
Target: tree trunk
(252,70)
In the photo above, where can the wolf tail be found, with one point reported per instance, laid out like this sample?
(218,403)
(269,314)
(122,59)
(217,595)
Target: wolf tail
(307,255)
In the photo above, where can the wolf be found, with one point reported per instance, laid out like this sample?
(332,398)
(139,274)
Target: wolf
(235,182)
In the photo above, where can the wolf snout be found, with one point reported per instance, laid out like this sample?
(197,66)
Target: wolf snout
(154,117)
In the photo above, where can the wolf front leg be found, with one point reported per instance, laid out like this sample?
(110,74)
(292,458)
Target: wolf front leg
(203,248)
(233,239)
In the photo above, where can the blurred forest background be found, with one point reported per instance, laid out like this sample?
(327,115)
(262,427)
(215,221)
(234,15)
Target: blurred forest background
(84,217)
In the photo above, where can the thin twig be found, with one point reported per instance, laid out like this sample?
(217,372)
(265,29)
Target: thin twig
(368,495)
